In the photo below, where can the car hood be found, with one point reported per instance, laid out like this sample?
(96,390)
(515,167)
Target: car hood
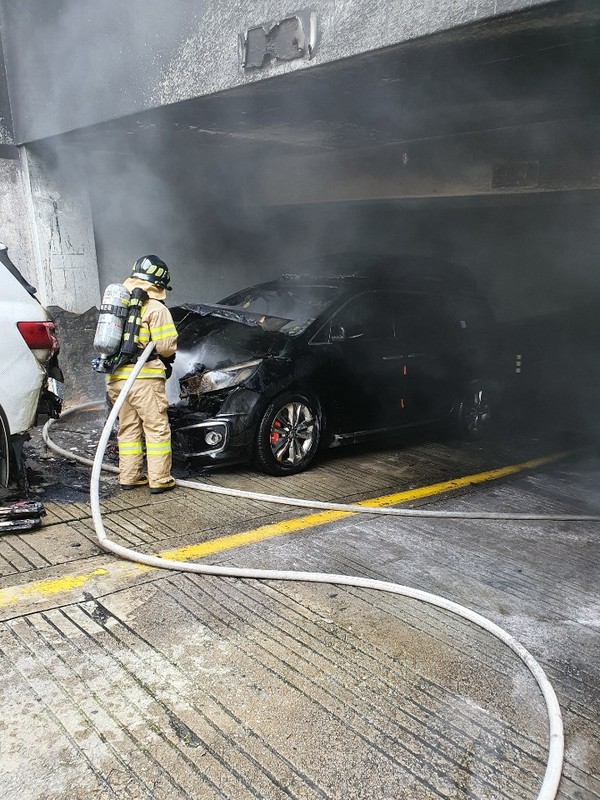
(265,322)
(215,337)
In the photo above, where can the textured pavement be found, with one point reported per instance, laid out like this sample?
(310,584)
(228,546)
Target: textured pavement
(126,682)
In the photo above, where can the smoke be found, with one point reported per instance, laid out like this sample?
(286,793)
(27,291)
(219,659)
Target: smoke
(237,188)
(532,255)
(467,147)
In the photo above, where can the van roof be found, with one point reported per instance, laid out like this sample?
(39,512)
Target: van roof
(390,271)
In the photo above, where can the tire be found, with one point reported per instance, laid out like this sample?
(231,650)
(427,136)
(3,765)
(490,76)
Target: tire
(4,451)
(288,435)
(475,415)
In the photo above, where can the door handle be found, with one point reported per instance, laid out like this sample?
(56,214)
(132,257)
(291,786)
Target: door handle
(392,358)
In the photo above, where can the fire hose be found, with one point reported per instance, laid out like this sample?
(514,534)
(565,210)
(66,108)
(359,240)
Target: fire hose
(552,774)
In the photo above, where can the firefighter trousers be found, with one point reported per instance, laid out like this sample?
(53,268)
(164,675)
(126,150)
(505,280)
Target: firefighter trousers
(143,420)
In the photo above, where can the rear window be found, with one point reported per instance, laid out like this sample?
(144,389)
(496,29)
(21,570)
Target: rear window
(301,305)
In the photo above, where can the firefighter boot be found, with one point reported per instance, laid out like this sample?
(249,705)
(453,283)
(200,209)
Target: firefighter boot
(163,487)
(141,481)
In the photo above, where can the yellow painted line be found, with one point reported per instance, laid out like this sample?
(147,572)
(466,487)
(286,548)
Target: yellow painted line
(38,590)
(193,551)
(46,588)
(56,585)
(468,480)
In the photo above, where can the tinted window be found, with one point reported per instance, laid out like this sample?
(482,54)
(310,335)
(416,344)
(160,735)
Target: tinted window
(368,314)
(420,321)
(300,304)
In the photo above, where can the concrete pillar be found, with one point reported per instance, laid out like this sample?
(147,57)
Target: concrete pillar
(60,220)
(15,232)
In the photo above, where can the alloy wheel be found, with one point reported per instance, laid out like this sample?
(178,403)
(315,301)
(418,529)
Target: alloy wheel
(476,413)
(292,433)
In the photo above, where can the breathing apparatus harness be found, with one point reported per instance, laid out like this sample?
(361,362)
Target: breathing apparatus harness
(130,319)
(117,336)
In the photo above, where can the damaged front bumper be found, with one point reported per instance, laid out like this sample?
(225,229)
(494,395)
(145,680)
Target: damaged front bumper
(221,433)
(207,438)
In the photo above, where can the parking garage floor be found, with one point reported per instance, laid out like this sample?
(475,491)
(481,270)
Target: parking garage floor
(125,681)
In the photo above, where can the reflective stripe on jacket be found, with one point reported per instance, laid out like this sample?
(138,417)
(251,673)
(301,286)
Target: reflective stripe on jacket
(157,326)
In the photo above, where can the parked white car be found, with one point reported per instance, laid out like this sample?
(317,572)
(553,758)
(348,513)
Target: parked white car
(30,379)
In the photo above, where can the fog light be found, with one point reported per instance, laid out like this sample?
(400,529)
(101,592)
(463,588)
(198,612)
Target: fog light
(213,438)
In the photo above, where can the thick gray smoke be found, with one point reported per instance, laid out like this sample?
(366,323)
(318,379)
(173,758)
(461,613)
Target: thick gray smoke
(465,150)
(237,188)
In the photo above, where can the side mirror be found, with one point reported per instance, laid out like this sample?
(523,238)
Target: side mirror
(341,333)
(337,333)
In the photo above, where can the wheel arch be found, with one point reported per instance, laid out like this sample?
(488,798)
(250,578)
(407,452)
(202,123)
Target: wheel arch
(261,407)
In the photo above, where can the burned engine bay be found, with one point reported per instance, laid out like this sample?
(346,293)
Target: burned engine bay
(215,342)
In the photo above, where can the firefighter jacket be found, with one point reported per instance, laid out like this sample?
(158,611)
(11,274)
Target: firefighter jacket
(156,326)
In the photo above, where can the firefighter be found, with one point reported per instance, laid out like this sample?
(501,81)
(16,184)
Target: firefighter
(143,417)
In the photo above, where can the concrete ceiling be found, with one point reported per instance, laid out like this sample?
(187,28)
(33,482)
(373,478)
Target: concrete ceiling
(522,70)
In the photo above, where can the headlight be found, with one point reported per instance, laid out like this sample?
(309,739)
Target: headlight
(218,379)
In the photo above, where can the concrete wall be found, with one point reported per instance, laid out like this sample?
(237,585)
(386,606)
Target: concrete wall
(59,218)
(98,61)
(543,157)
(15,231)
(6,132)
(46,223)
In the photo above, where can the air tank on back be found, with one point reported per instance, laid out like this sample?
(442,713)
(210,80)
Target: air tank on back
(113,313)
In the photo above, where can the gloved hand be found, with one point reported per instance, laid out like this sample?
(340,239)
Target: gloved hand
(168,362)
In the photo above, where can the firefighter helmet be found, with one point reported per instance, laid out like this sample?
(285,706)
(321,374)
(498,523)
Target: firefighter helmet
(152,269)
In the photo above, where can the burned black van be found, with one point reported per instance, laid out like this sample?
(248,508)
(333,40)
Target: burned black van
(277,371)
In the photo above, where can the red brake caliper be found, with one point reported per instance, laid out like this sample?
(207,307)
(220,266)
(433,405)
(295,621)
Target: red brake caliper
(275,437)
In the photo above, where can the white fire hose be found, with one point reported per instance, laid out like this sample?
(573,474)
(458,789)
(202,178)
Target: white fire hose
(552,775)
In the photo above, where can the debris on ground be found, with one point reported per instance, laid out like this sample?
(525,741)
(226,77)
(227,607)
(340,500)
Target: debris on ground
(53,478)
(21,516)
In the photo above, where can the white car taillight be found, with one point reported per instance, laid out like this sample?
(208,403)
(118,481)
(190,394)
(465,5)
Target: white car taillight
(40,337)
